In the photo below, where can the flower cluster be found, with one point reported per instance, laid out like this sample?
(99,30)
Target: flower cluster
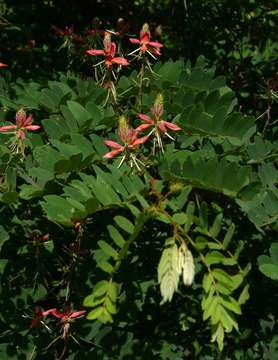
(109,48)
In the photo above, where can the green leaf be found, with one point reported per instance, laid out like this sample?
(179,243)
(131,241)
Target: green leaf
(229,235)
(124,224)
(214,257)
(4,236)
(108,249)
(270,270)
(216,226)
(116,236)
(105,266)
(231,304)
(80,114)
(244,295)
(95,313)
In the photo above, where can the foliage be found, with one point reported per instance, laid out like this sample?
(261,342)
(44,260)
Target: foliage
(142,194)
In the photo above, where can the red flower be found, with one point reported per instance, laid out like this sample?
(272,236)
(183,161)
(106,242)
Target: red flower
(158,124)
(129,137)
(65,317)
(130,140)
(109,53)
(23,124)
(3,65)
(151,47)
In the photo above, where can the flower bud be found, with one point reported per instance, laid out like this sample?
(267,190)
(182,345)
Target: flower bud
(145,31)
(20,117)
(158,108)
(107,42)
(125,132)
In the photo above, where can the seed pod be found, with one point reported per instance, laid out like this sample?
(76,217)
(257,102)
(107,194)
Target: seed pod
(188,268)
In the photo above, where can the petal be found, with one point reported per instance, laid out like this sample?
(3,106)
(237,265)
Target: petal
(76,314)
(112,144)
(21,134)
(142,127)
(8,127)
(27,121)
(161,125)
(3,65)
(112,49)
(120,61)
(155,44)
(146,118)
(32,127)
(145,37)
(50,311)
(155,52)
(172,126)
(113,153)
(140,141)
(95,52)
(134,41)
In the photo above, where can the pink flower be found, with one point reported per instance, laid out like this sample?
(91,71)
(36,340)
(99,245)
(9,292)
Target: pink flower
(3,65)
(158,125)
(129,137)
(130,140)
(23,124)
(109,52)
(146,45)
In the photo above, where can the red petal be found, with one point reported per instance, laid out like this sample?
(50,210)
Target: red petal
(142,127)
(95,52)
(76,314)
(27,121)
(112,49)
(120,61)
(3,65)
(172,126)
(140,140)
(8,127)
(32,127)
(145,37)
(113,153)
(155,44)
(146,118)
(155,51)
(50,311)
(161,125)
(134,41)
(112,144)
